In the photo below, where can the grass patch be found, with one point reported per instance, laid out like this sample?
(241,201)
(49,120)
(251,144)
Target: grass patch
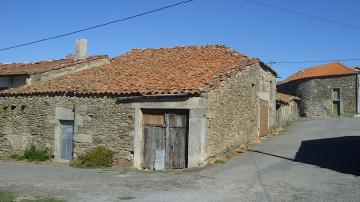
(7,196)
(219,161)
(126,198)
(42,200)
(98,157)
(12,197)
(33,154)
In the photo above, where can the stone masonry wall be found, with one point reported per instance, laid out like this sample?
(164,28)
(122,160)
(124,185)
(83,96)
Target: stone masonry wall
(286,113)
(316,95)
(232,112)
(267,92)
(98,121)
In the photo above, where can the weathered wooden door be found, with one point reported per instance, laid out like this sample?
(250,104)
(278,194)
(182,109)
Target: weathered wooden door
(66,139)
(176,133)
(165,140)
(264,116)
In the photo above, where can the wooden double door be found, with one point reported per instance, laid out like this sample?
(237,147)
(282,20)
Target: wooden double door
(165,136)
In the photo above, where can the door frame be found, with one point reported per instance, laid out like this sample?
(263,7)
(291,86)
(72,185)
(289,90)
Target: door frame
(62,124)
(163,112)
(197,107)
(62,114)
(263,104)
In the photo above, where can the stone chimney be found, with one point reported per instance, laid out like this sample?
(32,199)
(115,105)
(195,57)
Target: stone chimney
(81,49)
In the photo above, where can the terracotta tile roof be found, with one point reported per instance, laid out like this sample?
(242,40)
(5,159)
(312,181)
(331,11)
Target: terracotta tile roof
(188,69)
(285,98)
(331,69)
(42,66)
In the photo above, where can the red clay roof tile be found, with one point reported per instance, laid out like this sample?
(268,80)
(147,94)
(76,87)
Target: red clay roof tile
(42,66)
(188,69)
(285,98)
(331,69)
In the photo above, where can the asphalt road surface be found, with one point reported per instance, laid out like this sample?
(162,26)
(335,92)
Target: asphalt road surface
(314,160)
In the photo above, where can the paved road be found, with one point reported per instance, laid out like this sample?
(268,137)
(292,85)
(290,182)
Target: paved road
(314,160)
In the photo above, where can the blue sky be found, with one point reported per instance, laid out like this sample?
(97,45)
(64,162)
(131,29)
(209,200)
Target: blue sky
(251,29)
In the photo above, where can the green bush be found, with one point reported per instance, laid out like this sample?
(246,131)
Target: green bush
(34,154)
(98,157)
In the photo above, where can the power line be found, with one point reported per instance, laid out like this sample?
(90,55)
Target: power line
(314,61)
(97,26)
(303,14)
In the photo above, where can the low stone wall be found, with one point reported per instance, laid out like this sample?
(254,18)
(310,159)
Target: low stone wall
(98,121)
(286,113)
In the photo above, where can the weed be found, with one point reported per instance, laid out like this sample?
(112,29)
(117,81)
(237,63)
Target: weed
(17,157)
(33,154)
(11,197)
(42,200)
(98,157)
(219,161)
(126,198)
(7,196)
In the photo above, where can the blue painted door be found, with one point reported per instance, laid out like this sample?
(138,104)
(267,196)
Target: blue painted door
(67,140)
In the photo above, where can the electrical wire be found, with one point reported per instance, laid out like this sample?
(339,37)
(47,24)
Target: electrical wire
(313,61)
(304,14)
(97,26)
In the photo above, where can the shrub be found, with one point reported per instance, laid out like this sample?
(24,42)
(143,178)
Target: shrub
(33,154)
(98,157)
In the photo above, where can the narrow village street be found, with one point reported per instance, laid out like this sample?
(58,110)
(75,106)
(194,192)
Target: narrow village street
(313,160)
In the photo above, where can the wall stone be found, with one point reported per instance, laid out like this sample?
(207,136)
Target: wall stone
(267,92)
(286,113)
(316,95)
(98,121)
(231,114)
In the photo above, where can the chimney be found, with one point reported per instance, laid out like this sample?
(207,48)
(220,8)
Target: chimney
(81,49)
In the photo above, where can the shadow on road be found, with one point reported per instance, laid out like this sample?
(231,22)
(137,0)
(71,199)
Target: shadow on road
(341,154)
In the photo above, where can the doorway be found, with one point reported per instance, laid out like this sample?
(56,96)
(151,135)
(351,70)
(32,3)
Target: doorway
(264,117)
(66,139)
(165,134)
(336,108)
(335,102)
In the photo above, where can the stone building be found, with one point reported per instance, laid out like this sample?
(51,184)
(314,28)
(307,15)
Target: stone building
(287,109)
(19,74)
(325,90)
(155,108)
